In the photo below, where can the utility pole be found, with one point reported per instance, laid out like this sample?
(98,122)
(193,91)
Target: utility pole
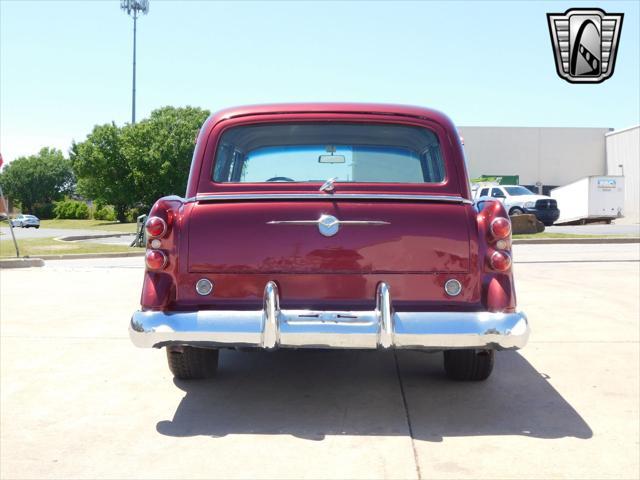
(4,210)
(134,8)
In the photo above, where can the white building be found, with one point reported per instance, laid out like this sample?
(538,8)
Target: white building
(623,152)
(548,157)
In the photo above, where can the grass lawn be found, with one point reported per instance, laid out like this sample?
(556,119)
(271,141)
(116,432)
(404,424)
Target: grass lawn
(49,246)
(90,225)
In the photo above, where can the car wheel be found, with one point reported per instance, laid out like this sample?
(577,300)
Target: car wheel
(515,211)
(548,224)
(191,363)
(469,365)
(37,227)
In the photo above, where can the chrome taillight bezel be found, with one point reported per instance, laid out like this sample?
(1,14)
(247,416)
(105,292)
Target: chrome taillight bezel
(504,254)
(165,258)
(164,231)
(492,228)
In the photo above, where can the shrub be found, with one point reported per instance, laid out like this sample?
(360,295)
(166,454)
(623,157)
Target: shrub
(71,209)
(133,213)
(104,212)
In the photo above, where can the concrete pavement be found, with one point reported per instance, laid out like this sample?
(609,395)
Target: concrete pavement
(78,400)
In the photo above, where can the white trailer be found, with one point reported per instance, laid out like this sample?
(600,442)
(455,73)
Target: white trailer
(591,199)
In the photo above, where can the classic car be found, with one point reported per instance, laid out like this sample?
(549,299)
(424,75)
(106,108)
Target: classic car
(328,226)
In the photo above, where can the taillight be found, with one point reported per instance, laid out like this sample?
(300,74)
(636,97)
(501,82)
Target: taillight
(500,261)
(156,259)
(500,228)
(156,227)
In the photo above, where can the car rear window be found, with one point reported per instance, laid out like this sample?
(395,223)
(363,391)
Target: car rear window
(315,152)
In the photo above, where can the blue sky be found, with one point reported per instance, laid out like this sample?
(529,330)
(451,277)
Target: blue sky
(66,66)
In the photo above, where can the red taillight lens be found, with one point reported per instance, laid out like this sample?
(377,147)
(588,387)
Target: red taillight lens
(155,259)
(500,228)
(500,261)
(156,227)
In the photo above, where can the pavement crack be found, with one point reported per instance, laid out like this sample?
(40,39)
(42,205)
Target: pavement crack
(407,416)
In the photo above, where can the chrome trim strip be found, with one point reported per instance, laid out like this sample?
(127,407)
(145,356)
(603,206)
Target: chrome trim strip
(323,196)
(337,222)
(380,328)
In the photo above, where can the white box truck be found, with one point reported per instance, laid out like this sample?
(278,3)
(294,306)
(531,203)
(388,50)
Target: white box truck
(590,199)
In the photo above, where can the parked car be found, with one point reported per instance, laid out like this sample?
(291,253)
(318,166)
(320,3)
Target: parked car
(518,200)
(328,226)
(26,221)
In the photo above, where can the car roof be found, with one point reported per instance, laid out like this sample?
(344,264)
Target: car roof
(363,108)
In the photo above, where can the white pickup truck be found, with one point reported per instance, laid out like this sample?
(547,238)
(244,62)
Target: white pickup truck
(518,200)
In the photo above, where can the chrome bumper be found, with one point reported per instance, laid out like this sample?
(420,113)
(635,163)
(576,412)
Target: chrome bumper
(272,327)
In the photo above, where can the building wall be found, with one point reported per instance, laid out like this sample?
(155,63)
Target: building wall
(623,148)
(552,156)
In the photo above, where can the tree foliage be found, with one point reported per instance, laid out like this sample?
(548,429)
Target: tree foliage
(38,179)
(136,164)
(102,170)
(159,151)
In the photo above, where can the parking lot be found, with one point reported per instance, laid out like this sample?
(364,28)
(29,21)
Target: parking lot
(79,401)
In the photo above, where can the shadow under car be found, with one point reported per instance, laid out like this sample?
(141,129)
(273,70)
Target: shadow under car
(311,394)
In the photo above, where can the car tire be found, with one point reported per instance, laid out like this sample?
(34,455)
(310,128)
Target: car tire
(37,227)
(515,211)
(469,365)
(191,363)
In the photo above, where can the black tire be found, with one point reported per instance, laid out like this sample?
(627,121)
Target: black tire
(469,365)
(515,211)
(191,363)
(37,227)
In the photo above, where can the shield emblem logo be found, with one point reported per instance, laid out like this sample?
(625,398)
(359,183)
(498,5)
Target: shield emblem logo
(585,43)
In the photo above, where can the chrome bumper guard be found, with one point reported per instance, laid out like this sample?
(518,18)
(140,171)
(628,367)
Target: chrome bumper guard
(383,327)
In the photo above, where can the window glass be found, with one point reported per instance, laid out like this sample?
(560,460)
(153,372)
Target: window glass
(518,190)
(311,152)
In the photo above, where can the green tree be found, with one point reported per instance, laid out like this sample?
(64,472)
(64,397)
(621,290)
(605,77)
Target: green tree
(159,151)
(103,172)
(136,164)
(38,179)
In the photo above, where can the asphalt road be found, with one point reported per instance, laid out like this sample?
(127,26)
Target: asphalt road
(79,401)
(596,229)
(25,233)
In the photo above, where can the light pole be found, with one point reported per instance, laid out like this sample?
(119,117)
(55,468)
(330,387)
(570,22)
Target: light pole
(133,8)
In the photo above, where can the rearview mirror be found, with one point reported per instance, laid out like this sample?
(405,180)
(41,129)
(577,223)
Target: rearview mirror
(331,159)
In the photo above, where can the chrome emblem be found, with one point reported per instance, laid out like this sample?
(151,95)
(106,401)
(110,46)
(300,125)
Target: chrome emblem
(585,43)
(328,225)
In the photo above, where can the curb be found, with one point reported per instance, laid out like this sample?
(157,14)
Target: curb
(22,263)
(81,256)
(569,241)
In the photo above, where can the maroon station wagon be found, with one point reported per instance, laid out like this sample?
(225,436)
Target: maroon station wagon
(328,226)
